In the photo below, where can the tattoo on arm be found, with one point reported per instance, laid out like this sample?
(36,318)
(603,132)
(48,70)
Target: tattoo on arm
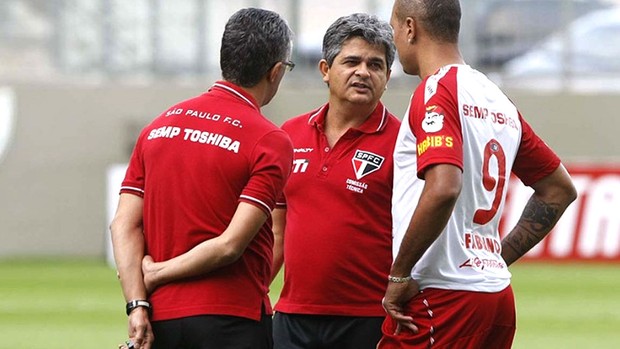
(537,220)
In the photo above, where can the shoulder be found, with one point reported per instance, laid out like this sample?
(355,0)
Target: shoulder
(392,124)
(300,121)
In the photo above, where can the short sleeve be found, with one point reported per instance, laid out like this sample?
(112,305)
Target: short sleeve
(272,160)
(436,125)
(133,183)
(535,159)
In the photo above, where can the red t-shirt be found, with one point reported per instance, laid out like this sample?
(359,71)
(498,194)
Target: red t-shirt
(337,245)
(193,165)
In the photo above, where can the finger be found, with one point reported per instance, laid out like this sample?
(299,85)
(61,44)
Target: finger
(398,328)
(138,340)
(398,315)
(412,327)
(148,341)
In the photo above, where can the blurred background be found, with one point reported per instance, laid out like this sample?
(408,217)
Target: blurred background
(80,78)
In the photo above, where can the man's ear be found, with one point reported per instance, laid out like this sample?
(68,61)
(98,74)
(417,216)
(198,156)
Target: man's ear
(274,72)
(324,69)
(410,24)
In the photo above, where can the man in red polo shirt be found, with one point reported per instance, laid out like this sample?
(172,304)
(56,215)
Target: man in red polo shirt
(337,239)
(202,181)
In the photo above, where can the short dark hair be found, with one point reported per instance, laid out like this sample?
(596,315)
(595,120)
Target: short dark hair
(440,18)
(253,41)
(365,26)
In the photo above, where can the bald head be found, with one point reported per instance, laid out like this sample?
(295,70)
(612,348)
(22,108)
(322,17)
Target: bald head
(440,18)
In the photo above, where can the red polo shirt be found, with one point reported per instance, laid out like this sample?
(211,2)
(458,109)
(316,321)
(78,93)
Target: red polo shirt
(193,165)
(337,245)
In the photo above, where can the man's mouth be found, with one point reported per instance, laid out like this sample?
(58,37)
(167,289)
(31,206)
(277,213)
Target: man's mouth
(360,85)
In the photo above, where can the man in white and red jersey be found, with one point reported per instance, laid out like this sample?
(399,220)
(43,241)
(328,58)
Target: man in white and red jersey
(459,141)
(336,211)
(192,236)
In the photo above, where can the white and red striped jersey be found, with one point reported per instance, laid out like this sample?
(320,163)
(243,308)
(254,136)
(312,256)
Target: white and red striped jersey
(457,116)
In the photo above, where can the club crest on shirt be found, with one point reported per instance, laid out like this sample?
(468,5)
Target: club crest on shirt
(433,119)
(365,162)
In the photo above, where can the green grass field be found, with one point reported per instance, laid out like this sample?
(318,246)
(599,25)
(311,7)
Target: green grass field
(77,303)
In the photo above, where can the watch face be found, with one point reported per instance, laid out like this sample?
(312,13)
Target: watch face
(7,111)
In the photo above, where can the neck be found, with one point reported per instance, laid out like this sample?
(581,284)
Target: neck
(260,92)
(341,117)
(436,56)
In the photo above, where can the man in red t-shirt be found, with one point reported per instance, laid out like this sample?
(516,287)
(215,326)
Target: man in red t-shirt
(460,140)
(191,236)
(337,240)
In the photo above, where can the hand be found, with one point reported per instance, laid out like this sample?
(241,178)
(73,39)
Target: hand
(140,330)
(127,345)
(149,271)
(396,297)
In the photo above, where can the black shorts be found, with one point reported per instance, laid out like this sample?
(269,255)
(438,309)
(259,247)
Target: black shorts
(213,332)
(300,331)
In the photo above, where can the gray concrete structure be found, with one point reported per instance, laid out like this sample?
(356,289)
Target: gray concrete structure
(53,172)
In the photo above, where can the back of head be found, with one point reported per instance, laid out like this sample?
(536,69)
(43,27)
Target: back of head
(253,41)
(441,19)
(364,26)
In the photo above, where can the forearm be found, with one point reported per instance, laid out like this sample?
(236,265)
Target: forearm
(203,258)
(551,197)
(128,256)
(279,224)
(426,225)
(210,254)
(128,246)
(442,188)
(537,220)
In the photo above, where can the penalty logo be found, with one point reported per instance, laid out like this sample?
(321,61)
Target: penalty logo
(365,162)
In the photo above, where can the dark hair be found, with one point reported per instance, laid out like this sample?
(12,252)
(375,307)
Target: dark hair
(253,41)
(367,27)
(440,18)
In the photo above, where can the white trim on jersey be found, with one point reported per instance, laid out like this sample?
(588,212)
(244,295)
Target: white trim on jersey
(133,188)
(235,93)
(257,201)
(313,116)
(383,119)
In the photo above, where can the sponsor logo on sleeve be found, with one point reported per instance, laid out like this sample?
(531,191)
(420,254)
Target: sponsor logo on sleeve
(433,119)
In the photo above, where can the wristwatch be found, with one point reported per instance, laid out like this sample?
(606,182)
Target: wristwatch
(137,303)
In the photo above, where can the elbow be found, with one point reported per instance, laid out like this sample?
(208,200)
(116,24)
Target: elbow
(446,195)
(230,253)
(565,191)
(570,194)
(114,228)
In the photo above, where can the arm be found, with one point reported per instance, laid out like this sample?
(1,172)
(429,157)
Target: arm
(128,245)
(210,254)
(551,197)
(441,190)
(279,224)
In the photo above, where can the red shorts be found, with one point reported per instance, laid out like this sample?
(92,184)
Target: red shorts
(455,320)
